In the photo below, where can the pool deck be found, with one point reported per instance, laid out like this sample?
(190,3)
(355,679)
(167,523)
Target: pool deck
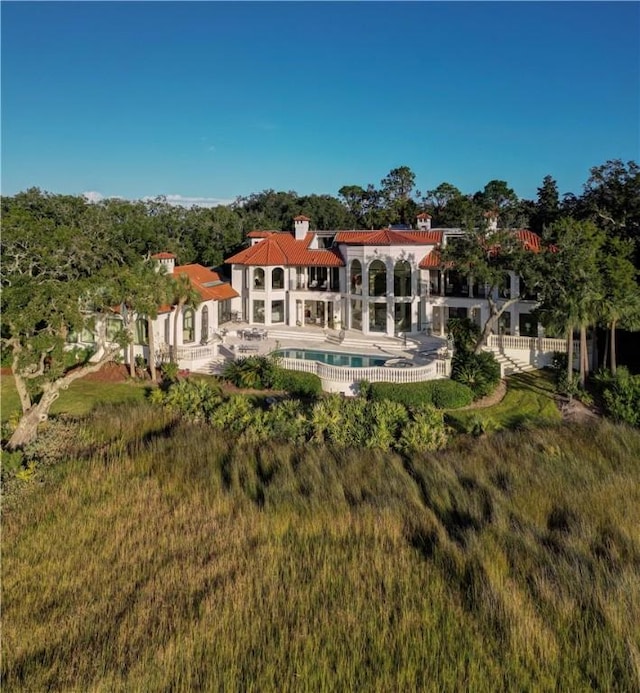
(418,349)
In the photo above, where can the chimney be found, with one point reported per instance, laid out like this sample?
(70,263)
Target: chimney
(424,221)
(167,260)
(492,219)
(301,225)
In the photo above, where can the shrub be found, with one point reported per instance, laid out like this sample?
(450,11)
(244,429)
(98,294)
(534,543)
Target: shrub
(195,400)
(621,395)
(426,431)
(465,333)
(443,394)
(287,421)
(449,394)
(252,372)
(297,383)
(386,420)
(480,372)
(169,372)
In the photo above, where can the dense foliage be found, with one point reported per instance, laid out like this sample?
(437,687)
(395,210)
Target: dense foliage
(620,395)
(332,419)
(479,372)
(158,556)
(442,394)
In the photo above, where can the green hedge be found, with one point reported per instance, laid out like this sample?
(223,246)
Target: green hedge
(442,394)
(298,383)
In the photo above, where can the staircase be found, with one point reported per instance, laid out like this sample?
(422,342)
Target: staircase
(510,364)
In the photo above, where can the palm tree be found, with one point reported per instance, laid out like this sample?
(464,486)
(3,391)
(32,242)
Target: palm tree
(621,302)
(183,295)
(571,288)
(155,291)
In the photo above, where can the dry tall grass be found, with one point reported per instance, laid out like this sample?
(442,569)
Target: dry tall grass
(166,558)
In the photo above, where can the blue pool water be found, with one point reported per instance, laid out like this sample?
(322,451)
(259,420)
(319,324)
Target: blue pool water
(333,358)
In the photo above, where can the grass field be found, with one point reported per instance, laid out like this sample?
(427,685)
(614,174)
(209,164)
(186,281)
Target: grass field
(78,400)
(160,557)
(528,402)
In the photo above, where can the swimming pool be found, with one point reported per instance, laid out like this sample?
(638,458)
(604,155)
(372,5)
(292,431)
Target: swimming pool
(333,358)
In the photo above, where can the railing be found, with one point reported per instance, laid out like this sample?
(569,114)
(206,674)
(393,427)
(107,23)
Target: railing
(347,374)
(198,353)
(527,343)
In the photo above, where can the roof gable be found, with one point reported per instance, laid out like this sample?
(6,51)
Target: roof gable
(284,249)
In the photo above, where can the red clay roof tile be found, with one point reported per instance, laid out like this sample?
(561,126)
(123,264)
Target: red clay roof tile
(284,249)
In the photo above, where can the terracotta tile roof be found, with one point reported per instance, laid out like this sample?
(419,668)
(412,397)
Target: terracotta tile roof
(259,234)
(424,215)
(431,260)
(207,282)
(283,249)
(389,237)
(301,217)
(530,240)
(163,256)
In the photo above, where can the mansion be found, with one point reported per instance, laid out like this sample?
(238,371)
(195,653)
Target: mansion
(386,282)
(384,291)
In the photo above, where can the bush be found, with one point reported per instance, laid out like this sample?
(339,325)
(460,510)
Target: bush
(297,383)
(252,372)
(426,431)
(195,400)
(480,372)
(442,394)
(620,395)
(449,394)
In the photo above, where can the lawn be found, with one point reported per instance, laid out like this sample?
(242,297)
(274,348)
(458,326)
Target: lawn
(81,397)
(529,401)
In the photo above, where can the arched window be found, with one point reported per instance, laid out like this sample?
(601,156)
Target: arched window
(377,278)
(277,278)
(402,278)
(258,278)
(205,324)
(114,325)
(188,326)
(142,331)
(356,277)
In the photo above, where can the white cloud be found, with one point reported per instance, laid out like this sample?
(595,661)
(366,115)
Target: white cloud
(185,201)
(93,196)
(178,200)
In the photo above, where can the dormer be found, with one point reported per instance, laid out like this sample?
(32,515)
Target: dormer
(166,260)
(423,221)
(301,226)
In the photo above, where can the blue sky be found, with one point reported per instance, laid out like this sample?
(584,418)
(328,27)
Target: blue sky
(215,100)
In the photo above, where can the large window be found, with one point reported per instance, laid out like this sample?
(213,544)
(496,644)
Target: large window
(402,317)
(142,331)
(188,326)
(378,317)
(87,336)
(277,311)
(277,278)
(258,311)
(402,278)
(356,314)
(258,279)
(224,311)
(504,323)
(528,325)
(113,326)
(377,278)
(204,324)
(456,284)
(355,279)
